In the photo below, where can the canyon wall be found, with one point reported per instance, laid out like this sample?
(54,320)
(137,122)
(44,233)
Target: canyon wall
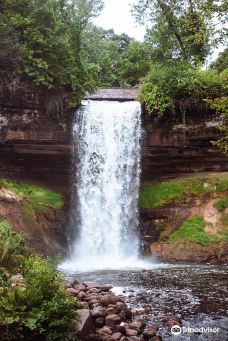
(172,148)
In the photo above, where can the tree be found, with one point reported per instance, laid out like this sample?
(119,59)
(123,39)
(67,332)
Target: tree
(221,63)
(48,38)
(186,25)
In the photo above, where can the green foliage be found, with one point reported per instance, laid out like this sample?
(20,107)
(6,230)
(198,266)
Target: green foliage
(46,42)
(13,248)
(179,85)
(180,29)
(193,230)
(221,63)
(222,204)
(220,105)
(152,195)
(37,309)
(40,198)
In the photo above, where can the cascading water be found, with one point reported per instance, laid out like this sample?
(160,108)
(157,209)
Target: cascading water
(106,137)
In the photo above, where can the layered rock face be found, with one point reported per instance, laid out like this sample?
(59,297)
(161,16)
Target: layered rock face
(33,143)
(43,227)
(170,147)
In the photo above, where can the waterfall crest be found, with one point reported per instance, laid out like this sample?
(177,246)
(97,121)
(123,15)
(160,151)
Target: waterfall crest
(106,139)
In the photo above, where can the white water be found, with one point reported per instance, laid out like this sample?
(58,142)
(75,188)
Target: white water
(107,150)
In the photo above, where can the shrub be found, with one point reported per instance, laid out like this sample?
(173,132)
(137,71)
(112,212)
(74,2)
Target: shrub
(179,86)
(38,309)
(222,204)
(12,247)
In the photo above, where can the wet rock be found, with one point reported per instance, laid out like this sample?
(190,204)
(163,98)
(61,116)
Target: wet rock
(124,338)
(92,337)
(86,326)
(116,336)
(108,299)
(131,332)
(128,313)
(93,302)
(119,329)
(74,282)
(94,291)
(123,316)
(172,320)
(111,310)
(112,320)
(136,325)
(98,312)
(140,320)
(151,331)
(105,330)
(81,295)
(102,287)
(80,287)
(121,305)
(99,322)
(73,292)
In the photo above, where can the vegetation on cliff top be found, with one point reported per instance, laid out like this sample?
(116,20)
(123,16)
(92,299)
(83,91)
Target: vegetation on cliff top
(35,306)
(155,195)
(193,230)
(40,198)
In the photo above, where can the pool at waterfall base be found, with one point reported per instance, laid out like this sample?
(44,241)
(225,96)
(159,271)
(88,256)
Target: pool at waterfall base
(196,294)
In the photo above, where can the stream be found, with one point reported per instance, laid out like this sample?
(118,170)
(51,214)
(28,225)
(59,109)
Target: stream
(197,294)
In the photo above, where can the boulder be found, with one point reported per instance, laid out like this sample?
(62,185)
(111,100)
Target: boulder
(82,295)
(151,331)
(105,330)
(98,312)
(80,287)
(108,299)
(73,292)
(116,336)
(86,325)
(112,320)
(99,322)
(111,310)
(131,332)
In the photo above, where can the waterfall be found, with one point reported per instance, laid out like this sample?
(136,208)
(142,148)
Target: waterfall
(106,140)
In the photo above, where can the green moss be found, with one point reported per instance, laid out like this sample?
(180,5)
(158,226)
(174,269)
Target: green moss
(27,212)
(40,198)
(155,195)
(193,230)
(222,204)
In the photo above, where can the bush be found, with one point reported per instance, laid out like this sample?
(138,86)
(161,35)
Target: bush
(180,86)
(39,308)
(12,247)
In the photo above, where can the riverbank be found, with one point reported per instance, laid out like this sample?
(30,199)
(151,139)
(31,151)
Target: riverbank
(106,317)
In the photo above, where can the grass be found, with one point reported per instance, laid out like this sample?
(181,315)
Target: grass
(40,198)
(193,230)
(222,204)
(155,195)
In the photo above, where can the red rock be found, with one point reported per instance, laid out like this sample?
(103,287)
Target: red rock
(105,330)
(150,331)
(112,320)
(111,310)
(138,319)
(81,295)
(108,299)
(73,292)
(156,338)
(116,336)
(99,322)
(80,287)
(98,312)
(131,332)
